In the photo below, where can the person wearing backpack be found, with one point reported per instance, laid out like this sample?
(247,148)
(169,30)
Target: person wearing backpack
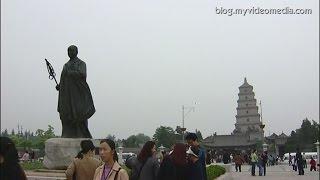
(110,170)
(146,165)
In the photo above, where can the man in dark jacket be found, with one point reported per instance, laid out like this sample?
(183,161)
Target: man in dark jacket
(192,141)
(194,168)
(264,158)
(299,160)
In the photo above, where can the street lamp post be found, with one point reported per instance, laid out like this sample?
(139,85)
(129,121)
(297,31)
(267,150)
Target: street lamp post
(185,112)
(262,126)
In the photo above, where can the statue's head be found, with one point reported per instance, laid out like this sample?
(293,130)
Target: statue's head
(72,51)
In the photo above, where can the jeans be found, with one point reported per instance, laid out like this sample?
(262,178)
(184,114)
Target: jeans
(264,168)
(253,168)
(260,169)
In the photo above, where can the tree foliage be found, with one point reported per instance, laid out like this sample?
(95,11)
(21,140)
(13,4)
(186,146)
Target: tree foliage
(136,140)
(304,137)
(164,136)
(27,139)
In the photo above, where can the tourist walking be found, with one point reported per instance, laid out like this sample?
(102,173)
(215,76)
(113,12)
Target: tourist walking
(313,164)
(84,165)
(304,160)
(294,164)
(238,160)
(192,141)
(146,165)
(32,156)
(173,166)
(208,157)
(254,161)
(260,164)
(226,157)
(299,160)
(290,159)
(264,157)
(26,156)
(110,169)
(10,168)
(194,169)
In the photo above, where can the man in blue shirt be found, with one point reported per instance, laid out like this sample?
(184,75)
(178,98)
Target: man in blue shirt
(192,141)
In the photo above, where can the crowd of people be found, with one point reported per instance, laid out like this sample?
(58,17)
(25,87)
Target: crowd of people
(183,162)
(299,162)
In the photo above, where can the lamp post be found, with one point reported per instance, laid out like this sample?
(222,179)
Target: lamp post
(185,112)
(262,126)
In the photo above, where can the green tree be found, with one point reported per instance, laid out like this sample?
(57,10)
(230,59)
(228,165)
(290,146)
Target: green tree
(304,137)
(42,136)
(136,140)
(164,136)
(39,132)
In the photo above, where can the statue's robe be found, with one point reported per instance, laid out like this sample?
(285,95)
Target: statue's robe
(75,103)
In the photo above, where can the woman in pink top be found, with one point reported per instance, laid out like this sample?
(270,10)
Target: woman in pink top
(110,170)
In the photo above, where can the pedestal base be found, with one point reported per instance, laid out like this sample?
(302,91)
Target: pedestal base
(59,152)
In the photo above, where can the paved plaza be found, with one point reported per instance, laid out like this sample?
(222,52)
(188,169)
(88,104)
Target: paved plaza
(278,172)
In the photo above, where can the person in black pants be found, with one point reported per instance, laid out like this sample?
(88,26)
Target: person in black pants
(299,160)
(264,158)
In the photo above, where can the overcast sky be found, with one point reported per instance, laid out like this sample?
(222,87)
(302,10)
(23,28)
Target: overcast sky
(145,59)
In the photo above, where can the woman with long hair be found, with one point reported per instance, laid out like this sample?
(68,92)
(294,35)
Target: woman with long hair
(110,170)
(10,168)
(146,165)
(173,166)
(84,165)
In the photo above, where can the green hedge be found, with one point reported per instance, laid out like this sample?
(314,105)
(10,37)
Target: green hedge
(32,165)
(214,171)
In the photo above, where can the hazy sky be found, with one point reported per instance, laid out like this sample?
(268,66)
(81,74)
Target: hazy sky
(145,59)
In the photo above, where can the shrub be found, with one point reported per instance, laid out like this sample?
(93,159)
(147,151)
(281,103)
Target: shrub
(214,171)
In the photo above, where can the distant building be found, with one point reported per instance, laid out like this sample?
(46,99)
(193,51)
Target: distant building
(278,142)
(247,130)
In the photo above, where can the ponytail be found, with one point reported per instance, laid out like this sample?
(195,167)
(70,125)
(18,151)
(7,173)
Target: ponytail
(80,155)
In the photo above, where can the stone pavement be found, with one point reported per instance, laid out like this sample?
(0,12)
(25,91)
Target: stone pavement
(278,172)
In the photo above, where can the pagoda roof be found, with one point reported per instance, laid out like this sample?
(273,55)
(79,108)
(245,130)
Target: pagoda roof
(245,84)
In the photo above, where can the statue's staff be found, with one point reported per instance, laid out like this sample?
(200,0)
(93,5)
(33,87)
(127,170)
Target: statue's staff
(52,74)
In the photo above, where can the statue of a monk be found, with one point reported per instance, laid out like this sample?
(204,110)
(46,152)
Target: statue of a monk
(75,103)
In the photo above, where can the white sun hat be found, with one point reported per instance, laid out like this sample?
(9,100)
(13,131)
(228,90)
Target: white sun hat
(191,152)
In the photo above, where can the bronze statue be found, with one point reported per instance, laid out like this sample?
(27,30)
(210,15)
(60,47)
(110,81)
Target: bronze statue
(75,103)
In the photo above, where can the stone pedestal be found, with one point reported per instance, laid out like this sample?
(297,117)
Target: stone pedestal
(59,152)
